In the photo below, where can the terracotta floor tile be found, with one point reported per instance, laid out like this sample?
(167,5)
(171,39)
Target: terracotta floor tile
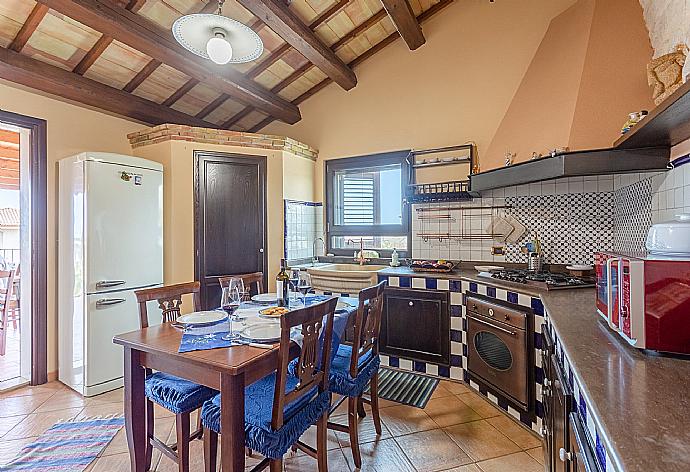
(309,438)
(6,424)
(515,432)
(300,463)
(114,463)
(514,462)
(441,391)
(196,459)
(50,387)
(10,449)
(466,468)
(101,409)
(365,430)
(62,400)
(432,451)
(480,404)
(481,440)
(114,396)
(36,423)
(449,411)
(380,456)
(455,388)
(537,454)
(403,419)
(13,406)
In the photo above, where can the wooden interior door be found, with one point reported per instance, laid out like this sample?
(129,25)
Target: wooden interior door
(229,219)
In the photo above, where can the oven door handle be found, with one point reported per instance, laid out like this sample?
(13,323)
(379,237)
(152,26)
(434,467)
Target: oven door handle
(507,331)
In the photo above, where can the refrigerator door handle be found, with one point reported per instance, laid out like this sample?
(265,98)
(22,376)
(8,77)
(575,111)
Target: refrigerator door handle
(109,283)
(109,301)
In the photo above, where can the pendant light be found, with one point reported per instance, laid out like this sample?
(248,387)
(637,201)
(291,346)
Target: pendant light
(217,37)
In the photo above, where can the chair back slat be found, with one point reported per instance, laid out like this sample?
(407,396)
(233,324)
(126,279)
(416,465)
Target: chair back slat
(367,324)
(310,370)
(169,298)
(254,279)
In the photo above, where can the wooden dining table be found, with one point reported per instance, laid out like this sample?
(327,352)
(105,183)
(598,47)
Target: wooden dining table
(228,370)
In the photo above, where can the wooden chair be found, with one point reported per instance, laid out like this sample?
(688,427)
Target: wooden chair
(280,407)
(178,395)
(7,306)
(358,365)
(254,280)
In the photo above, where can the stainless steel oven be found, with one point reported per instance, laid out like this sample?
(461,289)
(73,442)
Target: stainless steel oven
(498,348)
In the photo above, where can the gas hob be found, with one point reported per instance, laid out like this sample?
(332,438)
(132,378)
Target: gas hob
(544,280)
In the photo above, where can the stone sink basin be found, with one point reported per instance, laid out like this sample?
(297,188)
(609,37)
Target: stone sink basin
(343,278)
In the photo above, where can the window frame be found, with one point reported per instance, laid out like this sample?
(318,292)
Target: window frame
(367,161)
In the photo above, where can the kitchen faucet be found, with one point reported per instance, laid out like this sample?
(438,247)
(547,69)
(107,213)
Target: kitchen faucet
(360,259)
(315,257)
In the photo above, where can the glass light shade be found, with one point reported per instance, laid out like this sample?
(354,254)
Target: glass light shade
(219,50)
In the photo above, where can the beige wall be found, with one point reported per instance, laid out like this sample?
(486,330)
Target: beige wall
(71,130)
(453,89)
(284,171)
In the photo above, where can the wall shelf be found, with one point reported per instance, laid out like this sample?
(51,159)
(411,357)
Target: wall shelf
(574,164)
(665,126)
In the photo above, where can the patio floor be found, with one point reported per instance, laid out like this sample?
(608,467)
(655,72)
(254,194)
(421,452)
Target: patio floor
(9,363)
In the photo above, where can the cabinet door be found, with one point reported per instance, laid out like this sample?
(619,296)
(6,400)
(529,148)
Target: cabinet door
(562,406)
(547,353)
(416,325)
(581,456)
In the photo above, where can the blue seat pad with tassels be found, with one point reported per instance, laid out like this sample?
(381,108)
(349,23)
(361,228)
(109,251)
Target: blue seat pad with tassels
(176,394)
(339,378)
(260,436)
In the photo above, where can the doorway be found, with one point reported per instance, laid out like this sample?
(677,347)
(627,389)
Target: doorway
(23,278)
(229,219)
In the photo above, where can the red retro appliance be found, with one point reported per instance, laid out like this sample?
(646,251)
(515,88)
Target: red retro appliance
(645,300)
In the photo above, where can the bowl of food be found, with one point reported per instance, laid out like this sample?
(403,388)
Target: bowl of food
(440,266)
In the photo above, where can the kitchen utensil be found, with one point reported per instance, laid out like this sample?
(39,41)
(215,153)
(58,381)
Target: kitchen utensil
(500,228)
(201,317)
(534,262)
(518,232)
(670,238)
(487,268)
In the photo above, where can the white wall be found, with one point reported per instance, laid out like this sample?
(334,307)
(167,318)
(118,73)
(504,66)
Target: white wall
(668,22)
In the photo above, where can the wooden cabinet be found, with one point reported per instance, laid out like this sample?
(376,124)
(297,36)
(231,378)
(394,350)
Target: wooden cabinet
(416,325)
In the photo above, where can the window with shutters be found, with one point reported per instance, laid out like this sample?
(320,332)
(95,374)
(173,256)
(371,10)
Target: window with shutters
(364,200)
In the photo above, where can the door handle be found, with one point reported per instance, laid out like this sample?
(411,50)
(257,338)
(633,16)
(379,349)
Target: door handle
(261,250)
(507,331)
(109,301)
(109,283)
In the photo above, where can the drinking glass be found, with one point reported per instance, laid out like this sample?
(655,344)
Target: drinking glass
(294,280)
(230,301)
(304,285)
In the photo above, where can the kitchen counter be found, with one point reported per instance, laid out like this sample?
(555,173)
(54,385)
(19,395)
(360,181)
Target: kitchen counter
(639,400)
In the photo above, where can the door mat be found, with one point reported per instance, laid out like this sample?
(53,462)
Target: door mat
(408,388)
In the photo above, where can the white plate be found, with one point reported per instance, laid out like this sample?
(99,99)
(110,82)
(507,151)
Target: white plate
(487,268)
(262,332)
(202,317)
(580,267)
(343,305)
(265,298)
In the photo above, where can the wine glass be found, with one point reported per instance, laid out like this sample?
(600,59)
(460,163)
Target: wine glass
(230,301)
(304,285)
(294,279)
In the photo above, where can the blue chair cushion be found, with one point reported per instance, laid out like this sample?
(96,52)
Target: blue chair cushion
(340,380)
(260,436)
(176,394)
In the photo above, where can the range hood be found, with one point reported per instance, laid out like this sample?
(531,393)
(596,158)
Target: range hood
(574,164)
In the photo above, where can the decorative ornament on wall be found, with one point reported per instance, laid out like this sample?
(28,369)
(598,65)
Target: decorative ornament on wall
(665,73)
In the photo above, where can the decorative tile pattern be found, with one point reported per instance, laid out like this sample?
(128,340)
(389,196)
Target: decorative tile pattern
(570,227)
(303,225)
(632,215)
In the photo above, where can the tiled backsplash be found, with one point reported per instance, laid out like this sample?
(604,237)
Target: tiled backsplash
(303,224)
(573,217)
(570,216)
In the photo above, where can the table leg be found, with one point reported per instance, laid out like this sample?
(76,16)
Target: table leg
(232,422)
(135,410)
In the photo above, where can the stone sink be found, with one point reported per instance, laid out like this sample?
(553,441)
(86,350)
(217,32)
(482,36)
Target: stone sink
(343,278)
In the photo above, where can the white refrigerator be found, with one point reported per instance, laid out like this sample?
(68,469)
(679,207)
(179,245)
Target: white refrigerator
(110,243)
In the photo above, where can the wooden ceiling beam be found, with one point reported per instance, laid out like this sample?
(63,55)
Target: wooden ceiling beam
(143,35)
(278,16)
(142,75)
(208,109)
(402,16)
(424,16)
(180,92)
(102,44)
(35,17)
(35,74)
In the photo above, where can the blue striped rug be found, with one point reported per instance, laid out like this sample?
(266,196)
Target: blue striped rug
(70,445)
